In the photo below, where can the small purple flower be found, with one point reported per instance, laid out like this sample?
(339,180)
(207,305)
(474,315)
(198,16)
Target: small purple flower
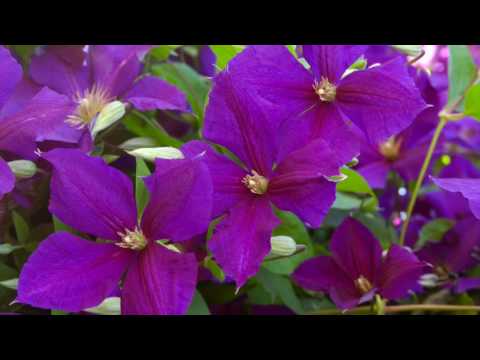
(244,191)
(458,252)
(356,269)
(405,151)
(69,273)
(323,101)
(94,76)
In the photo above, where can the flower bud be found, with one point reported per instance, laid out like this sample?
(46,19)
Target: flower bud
(410,50)
(23,169)
(336,178)
(352,163)
(111,113)
(137,143)
(282,246)
(109,306)
(429,280)
(150,154)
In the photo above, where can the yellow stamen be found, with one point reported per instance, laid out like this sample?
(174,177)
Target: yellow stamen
(90,103)
(133,240)
(325,90)
(256,183)
(363,285)
(391,148)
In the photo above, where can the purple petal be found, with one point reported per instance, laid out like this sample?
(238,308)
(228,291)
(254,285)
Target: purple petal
(42,118)
(319,274)
(115,67)
(382,101)
(160,282)
(242,240)
(299,186)
(238,122)
(151,93)
(466,284)
(331,61)
(180,200)
(55,69)
(25,90)
(400,273)
(71,274)
(7,179)
(10,75)
(375,173)
(89,195)
(469,188)
(228,188)
(356,250)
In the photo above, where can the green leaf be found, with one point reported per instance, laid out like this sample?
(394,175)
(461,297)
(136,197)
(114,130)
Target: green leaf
(198,306)
(434,231)
(461,72)
(141,192)
(293,50)
(7,273)
(21,227)
(6,249)
(225,53)
(194,85)
(472,102)
(58,312)
(142,125)
(109,306)
(346,202)
(162,52)
(379,227)
(280,287)
(356,183)
(293,227)
(214,268)
(60,226)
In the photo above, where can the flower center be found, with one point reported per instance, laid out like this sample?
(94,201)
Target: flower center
(325,90)
(90,103)
(363,285)
(391,148)
(133,240)
(443,273)
(256,183)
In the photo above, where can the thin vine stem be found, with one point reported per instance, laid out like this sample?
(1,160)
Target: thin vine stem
(367,310)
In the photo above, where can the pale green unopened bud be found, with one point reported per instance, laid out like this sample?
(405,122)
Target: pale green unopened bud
(353,162)
(282,246)
(137,143)
(410,50)
(109,306)
(150,154)
(110,114)
(336,178)
(23,169)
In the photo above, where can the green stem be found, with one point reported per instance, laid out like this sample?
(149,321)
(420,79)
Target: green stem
(367,310)
(421,176)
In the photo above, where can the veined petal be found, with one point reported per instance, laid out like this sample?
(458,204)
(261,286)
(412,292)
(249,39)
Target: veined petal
(55,69)
(356,250)
(42,118)
(469,188)
(180,200)
(382,101)
(319,274)
(160,282)
(7,179)
(331,61)
(10,75)
(115,67)
(400,273)
(227,176)
(466,284)
(151,93)
(242,240)
(71,274)
(235,120)
(89,195)
(25,90)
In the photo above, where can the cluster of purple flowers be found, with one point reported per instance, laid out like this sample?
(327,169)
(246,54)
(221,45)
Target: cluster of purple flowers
(277,131)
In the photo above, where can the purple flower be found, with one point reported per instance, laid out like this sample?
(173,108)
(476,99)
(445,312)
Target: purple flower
(94,77)
(322,102)
(450,258)
(208,60)
(405,151)
(469,188)
(28,116)
(245,190)
(69,273)
(356,269)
